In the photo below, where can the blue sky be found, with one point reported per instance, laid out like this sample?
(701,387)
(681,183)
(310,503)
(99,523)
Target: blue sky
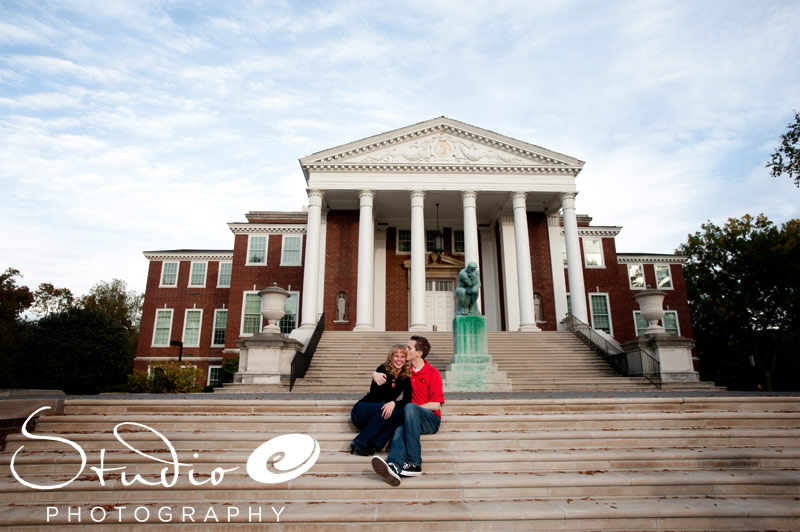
(139,125)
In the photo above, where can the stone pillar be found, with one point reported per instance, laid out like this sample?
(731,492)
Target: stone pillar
(417,294)
(524,275)
(557,267)
(574,263)
(469,201)
(311,270)
(366,246)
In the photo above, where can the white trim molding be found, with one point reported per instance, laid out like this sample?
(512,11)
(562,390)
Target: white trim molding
(188,254)
(239,228)
(644,258)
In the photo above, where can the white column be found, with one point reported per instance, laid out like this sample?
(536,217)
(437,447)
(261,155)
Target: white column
(557,267)
(366,246)
(524,274)
(417,262)
(490,281)
(508,254)
(311,270)
(379,269)
(469,201)
(577,292)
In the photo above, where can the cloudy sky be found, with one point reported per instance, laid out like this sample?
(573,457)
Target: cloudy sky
(136,125)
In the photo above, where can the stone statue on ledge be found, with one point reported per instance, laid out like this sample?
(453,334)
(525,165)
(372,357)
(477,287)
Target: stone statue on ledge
(467,291)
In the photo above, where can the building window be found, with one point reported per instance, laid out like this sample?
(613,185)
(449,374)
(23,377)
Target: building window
(404,240)
(430,240)
(564,251)
(601,315)
(257,250)
(251,313)
(288,322)
(569,304)
(220,325)
(197,276)
(669,322)
(224,277)
(291,250)
(169,274)
(163,328)
(191,328)
(593,252)
(458,241)
(635,276)
(663,276)
(214,375)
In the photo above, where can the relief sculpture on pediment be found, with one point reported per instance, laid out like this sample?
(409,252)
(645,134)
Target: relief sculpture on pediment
(444,149)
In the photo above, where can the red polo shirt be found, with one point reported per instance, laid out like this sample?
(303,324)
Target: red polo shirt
(426,387)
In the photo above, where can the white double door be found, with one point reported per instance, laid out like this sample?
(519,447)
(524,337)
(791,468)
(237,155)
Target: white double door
(440,304)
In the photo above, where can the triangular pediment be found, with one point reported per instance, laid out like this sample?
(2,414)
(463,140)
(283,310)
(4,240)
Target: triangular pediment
(440,142)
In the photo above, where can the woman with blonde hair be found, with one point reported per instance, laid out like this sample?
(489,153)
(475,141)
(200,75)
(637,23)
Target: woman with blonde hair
(380,412)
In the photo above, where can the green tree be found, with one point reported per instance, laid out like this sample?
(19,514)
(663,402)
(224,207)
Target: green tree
(786,159)
(48,299)
(80,350)
(122,305)
(743,282)
(14,300)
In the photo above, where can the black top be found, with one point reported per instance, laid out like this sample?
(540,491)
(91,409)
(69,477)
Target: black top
(389,390)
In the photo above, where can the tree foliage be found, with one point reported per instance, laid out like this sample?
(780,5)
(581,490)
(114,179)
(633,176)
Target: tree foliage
(786,159)
(14,300)
(743,281)
(79,350)
(49,300)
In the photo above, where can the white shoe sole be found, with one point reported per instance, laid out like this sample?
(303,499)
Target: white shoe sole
(384,471)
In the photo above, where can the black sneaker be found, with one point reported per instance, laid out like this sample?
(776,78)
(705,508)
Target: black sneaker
(387,471)
(411,470)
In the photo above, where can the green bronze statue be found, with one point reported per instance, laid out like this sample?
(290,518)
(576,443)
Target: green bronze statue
(467,291)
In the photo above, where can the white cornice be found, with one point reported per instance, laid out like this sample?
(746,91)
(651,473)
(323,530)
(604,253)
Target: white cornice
(247,229)
(597,231)
(444,168)
(188,254)
(623,258)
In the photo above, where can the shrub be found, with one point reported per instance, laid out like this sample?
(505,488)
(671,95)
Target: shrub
(165,377)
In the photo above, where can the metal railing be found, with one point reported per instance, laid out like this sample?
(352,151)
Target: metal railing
(302,359)
(625,363)
(642,363)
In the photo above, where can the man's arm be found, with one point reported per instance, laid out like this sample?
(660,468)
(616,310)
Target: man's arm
(432,406)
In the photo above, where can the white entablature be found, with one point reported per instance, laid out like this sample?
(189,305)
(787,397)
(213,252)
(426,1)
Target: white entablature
(441,154)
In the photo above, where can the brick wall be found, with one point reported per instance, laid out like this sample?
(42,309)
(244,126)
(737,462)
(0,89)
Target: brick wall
(341,267)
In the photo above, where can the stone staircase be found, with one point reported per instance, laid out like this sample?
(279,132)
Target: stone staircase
(602,463)
(543,361)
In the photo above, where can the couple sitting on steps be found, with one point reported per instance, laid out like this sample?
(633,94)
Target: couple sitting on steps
(403,402)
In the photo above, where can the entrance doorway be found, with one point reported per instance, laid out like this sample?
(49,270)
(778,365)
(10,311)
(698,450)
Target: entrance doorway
(439,304)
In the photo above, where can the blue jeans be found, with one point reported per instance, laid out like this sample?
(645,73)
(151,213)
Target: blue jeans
(405,444)
(375,431)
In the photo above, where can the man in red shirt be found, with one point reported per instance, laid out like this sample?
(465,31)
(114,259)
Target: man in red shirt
(422,416)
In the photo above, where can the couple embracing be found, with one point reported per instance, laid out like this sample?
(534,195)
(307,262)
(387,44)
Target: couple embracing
(404,401)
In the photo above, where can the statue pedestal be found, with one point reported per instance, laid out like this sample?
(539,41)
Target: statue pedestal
(674,354)
(264,357)
(471,368)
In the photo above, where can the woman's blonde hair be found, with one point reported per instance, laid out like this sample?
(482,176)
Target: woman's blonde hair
(402,373)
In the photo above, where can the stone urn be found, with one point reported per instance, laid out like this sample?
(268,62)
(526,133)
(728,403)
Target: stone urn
(273,300)
(651,304)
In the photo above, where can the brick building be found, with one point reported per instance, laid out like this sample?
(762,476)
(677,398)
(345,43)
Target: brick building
(391,220)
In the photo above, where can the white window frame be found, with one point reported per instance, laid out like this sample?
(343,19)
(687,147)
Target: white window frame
(453,241)
(564,250)
(397,241)
(569,303)
(177,272)
(214,327)
(249,246)
(641,268)
(602,257)
(169,331)
(199,328)
(673,312)
(655,272)
(297,312)
(219,274)
(191,271)
(608,306)
(208,380)
(299,254)
(241,323)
